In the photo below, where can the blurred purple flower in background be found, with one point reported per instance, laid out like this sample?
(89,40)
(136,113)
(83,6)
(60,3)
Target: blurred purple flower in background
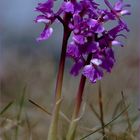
(89,34)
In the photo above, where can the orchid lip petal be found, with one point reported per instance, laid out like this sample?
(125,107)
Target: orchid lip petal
(125,12)
(96,61)
(116,43)
(43,20)
(45,34)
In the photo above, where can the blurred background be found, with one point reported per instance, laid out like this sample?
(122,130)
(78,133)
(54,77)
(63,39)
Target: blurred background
(28,65)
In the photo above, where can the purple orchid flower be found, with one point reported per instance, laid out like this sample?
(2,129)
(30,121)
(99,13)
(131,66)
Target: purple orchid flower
(89,35)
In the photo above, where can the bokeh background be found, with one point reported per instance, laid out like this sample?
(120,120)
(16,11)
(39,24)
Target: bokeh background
(25,63)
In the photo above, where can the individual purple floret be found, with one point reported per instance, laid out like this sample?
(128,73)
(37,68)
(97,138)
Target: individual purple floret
(89,34)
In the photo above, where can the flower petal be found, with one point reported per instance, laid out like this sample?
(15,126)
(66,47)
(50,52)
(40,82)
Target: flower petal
(116,43)
(73,51)
(68,7)
(42,18)
(47,32)
(92,73)
(77,67)
(80,39)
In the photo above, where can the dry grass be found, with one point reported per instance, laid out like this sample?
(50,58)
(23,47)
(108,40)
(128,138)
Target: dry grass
(22,120)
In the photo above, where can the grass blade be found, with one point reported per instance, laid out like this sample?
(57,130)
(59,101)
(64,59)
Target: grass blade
(20,111)
(86,136)
(40,107)
(101,111)
(127,114)
(6,108)
(94,111)
(46,110)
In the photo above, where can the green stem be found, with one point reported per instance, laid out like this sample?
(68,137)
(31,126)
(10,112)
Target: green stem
(52,134)
(74,121)
(78,102)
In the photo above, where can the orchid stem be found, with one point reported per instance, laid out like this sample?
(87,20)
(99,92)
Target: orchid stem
(74,121)
(77,107)
(52,134)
